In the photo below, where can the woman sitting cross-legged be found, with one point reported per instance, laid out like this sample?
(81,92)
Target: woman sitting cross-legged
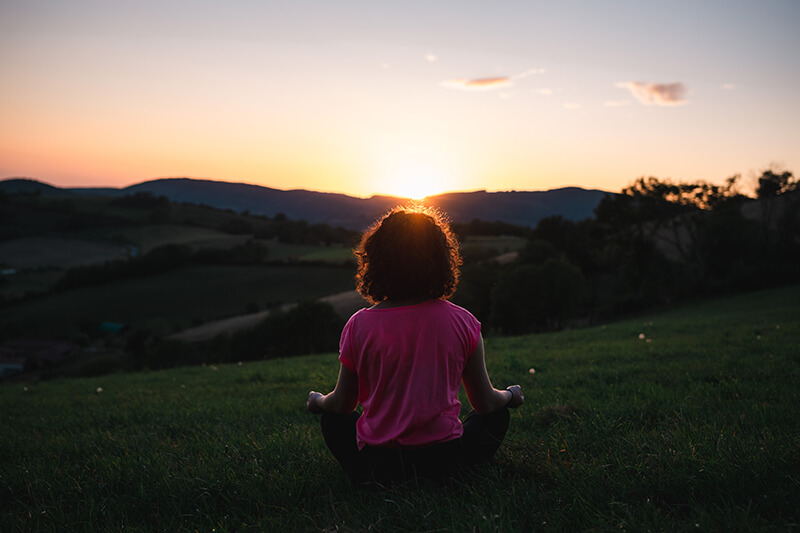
(405,358)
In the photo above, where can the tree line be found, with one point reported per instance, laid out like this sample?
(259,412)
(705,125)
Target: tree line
(655,243)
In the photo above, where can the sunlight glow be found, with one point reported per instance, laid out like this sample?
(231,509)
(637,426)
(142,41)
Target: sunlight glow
(415,183)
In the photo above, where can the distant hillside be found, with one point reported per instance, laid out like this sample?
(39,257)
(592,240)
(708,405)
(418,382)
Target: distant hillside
(523,208)
(30,186)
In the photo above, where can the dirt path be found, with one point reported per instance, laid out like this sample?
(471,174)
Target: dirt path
(344,303)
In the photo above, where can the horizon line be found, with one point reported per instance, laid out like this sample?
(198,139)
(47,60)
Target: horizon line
(373,195)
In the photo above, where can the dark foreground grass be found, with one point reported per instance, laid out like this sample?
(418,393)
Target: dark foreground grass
(695,426)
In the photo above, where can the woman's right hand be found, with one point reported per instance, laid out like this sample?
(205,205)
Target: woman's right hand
(312,404)
(517,398)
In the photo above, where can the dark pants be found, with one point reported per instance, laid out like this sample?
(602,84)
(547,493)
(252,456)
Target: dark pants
(482,435)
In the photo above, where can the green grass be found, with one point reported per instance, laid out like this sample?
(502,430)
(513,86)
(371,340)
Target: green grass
(697,430)
(166,302)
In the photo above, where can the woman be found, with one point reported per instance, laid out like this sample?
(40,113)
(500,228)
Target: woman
(404,359)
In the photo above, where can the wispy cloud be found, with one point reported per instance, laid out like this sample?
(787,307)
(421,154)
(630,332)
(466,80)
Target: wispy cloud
(431,57)
(661,94)
(569,106)
(529,72)
(617,103)
(545,91)
(478,84)
(487,84)
(729,86)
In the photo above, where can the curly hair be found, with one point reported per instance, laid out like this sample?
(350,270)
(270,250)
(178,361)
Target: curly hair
(408,253)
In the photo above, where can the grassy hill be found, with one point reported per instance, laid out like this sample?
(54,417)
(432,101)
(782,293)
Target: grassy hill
(688,419)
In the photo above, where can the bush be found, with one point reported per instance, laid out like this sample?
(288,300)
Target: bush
(310,327)
(536,297)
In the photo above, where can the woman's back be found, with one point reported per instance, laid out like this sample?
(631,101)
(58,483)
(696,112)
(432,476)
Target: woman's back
(409,361)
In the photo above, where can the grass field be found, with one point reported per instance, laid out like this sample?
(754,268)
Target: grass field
(684,420)
(171,301)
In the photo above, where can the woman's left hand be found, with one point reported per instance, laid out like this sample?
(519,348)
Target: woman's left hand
(517,398)
(312,404)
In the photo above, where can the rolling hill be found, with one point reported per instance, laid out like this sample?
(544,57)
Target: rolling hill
(523,208)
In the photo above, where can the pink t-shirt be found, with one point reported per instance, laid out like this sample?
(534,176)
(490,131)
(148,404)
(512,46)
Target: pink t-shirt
(409,362)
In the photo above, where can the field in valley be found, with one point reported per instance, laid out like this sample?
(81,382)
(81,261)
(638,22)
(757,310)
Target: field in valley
(174,300)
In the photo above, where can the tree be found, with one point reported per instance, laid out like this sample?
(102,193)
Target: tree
(536,297)
(309,327)
(537,252)
(475,287)
(772,184)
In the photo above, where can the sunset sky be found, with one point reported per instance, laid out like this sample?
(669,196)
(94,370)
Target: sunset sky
(407,98)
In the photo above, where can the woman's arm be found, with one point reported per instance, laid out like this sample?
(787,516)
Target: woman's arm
(343,399)
(482,395)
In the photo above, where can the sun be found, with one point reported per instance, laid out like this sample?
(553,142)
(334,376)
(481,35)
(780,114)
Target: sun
(415,183)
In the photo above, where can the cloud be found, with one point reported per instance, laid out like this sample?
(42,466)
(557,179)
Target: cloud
(479,84)
(545,91)
(729,86)
(527,73)
(662,94)
(431,57)
(571,105)
(487,84)
(617,103)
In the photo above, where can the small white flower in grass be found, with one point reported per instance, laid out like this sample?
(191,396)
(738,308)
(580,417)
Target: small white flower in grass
(24,389)
(99,390)
(214,368)
(240,363)
(641,336)
(532,371)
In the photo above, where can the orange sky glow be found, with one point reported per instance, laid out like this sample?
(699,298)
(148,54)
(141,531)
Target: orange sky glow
(366,99)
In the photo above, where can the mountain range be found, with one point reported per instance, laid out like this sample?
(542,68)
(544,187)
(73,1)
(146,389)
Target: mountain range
(523,208)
